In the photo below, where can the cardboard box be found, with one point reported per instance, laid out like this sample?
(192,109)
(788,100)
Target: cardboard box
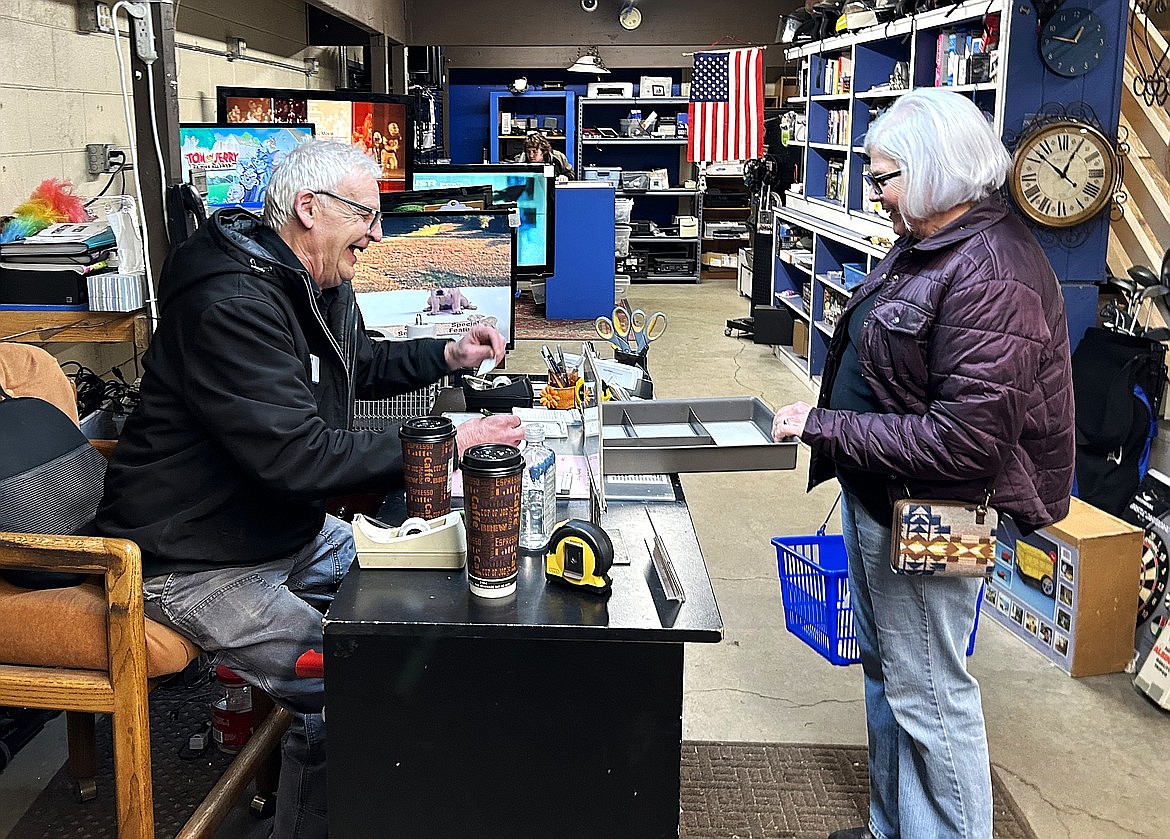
(1153,678)
(800,338)
(1070,590)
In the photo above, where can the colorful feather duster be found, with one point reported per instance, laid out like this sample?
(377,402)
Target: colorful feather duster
(51,202)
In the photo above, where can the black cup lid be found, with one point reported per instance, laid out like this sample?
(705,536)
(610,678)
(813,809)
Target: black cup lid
(427,429)
(492,459)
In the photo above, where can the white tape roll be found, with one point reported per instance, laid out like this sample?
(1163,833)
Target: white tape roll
(412,526)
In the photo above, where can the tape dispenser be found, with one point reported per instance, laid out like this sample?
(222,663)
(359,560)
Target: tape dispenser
(580,554)
(439,543)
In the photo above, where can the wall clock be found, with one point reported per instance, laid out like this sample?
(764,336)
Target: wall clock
(1073,41)
(1063,173)
(630,17)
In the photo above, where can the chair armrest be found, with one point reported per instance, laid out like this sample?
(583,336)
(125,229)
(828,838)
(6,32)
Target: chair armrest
(106,447)
(80,554)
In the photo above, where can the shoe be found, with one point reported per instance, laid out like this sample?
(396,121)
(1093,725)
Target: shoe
(851,833)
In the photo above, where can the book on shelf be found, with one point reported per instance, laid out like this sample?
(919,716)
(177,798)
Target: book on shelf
(67,238)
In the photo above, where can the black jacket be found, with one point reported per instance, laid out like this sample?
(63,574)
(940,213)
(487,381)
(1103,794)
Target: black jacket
(247,400)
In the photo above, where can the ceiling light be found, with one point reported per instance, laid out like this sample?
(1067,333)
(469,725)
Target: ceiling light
(588,61)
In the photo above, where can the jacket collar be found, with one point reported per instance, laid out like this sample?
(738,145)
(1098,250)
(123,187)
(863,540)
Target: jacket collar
(982,215)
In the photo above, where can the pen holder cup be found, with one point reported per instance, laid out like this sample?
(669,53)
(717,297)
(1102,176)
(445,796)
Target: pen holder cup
(558,397)
(517,394)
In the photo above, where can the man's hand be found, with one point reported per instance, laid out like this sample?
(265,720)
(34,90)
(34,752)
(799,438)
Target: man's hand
(480,343)
(496,428)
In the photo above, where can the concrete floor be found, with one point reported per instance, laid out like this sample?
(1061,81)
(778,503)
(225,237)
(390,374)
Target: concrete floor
(1084,758)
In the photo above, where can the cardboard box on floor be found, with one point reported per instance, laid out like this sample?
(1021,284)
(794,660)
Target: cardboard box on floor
(1069,590)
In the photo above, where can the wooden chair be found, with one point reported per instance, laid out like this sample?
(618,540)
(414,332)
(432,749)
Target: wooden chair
(88,649)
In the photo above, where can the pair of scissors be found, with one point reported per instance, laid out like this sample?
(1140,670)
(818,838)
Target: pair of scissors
(616,329)
(647,330)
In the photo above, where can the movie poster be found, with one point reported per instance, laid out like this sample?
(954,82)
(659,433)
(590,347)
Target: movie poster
(380,131)
(332,119)
(250,109)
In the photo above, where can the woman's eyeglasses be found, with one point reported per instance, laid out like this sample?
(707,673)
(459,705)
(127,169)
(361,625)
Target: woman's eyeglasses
(375,215)
(876,182)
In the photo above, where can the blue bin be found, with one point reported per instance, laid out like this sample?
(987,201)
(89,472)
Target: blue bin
(814,586)
(854,273)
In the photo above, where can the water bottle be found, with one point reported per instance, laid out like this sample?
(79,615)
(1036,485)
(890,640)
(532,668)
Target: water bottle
(539,490)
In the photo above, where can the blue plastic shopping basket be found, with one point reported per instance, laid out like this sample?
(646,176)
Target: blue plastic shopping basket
(814,585)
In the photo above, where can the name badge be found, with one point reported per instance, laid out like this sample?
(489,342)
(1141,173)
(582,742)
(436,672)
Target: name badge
(315,369)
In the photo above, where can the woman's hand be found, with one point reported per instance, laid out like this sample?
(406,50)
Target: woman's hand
(495,428)
(789,421)
(481,343)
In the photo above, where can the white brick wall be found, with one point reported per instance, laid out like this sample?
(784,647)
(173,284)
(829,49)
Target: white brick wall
(59,90)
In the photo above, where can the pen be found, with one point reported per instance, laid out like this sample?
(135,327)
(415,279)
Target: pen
(550,362)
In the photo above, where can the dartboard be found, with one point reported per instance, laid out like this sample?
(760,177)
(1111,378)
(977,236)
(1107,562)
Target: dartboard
(1155,571)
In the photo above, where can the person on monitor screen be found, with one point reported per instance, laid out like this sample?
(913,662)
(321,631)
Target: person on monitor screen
(244,429)
(948,376)
(537,149)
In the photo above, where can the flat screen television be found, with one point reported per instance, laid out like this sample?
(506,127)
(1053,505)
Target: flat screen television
(529,186)
(238,160)
(439,272)
(423,200)
(380,124)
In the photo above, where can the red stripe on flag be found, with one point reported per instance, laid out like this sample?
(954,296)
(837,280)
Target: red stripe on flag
(732,129)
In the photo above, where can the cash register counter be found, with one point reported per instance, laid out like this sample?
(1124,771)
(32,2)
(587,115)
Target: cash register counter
(549,713)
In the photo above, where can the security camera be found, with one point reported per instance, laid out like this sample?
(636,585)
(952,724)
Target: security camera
(589,5)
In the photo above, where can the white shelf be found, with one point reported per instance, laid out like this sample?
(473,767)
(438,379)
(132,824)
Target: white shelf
(666,240)
(787,354)
(796,304)
(633,141)
(679,191)
(821,326)
(618,100)
(833,284)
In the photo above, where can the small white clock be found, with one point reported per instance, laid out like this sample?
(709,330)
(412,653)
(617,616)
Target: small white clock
(630,17)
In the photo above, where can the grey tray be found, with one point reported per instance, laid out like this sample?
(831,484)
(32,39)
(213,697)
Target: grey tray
(691,435)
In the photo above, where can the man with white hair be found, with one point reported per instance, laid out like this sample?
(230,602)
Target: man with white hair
(244,429)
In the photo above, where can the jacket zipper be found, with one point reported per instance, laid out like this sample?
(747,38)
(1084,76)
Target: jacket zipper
(306,279)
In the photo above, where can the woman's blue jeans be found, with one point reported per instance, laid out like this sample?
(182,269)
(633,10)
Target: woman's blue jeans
(257,621)
(929,773)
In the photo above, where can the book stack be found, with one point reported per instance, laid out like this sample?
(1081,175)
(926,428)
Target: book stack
(51,269)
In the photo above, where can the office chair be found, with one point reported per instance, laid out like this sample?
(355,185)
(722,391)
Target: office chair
(87,648)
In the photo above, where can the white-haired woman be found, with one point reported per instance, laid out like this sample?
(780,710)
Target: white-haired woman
(948,375)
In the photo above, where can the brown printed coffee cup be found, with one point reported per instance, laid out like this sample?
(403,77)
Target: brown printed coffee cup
(428,455)
(491,502)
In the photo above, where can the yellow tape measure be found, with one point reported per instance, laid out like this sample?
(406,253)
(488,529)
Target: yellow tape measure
(579,554)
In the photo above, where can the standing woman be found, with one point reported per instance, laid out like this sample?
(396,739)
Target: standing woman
(948,375)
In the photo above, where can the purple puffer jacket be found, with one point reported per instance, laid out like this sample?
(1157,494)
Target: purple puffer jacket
(966,348)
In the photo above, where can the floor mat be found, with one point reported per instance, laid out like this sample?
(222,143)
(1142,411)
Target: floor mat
(791,791)
(729,790)
(531,324)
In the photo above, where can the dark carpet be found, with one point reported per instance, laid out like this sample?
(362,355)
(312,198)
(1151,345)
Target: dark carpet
(729,790)
(531,324)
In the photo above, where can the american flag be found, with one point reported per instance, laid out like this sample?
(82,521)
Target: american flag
(727,106)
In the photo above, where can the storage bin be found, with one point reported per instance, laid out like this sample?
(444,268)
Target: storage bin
(814,586)
(622,208)
(854,274)
(621,240)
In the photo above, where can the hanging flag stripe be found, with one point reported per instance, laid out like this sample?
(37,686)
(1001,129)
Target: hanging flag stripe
(727,104)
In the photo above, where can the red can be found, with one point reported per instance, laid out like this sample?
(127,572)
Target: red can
(231,714)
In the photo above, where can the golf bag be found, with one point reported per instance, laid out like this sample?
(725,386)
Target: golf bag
(1118,385)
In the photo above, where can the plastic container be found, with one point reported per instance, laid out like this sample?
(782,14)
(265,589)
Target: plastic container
(814,586)
(621,240)
(622,208)
(538,505)
(854,274)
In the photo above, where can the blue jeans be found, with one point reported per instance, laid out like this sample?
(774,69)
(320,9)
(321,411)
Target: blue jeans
(929,772)
(258,621)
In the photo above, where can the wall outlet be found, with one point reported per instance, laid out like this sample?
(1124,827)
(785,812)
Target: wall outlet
(94,17)
(97,158)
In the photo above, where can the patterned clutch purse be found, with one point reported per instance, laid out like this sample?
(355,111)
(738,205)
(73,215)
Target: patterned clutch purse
(955,538)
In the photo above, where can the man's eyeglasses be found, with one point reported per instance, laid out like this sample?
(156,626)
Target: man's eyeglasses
(375,215)
(876,182)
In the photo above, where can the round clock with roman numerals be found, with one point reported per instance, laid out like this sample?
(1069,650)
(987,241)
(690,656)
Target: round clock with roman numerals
(1063,173)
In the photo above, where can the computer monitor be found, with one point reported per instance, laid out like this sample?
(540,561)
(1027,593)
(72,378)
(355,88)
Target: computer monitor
(380,124)
(439,273)
(236,160)
(530,186)
(427,200)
